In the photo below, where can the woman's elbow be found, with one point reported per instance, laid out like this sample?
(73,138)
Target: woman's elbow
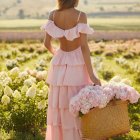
(47,45)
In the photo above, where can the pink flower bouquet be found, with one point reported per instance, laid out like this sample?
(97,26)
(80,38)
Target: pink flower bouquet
(99,96)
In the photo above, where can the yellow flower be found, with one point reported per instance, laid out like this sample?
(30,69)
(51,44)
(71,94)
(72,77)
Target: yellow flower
(42,104)
(116,78)
(41,75)
(5,99)
(23,74)
(15,71)
(17,94)
(8,91)
(16,107)
(24,89)
(126,81)
(31,91)
(30,81)
(45,90)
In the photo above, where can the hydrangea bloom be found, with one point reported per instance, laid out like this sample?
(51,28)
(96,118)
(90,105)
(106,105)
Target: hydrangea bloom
(8,91)
(42,104)
(5,99)
(31,91)
(17,94)
(99,96)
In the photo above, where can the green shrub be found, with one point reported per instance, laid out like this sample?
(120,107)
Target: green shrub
(109,54)
(99,51)
(107,75)
(128,55)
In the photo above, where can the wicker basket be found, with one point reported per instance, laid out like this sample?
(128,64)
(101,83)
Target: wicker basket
(106,122)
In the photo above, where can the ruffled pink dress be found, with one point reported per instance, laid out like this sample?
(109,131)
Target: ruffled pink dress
(67,74)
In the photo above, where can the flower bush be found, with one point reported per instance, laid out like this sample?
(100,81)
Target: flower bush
(11,64)
(23,102)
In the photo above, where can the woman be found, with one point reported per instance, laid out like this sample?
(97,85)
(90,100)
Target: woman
(70,68)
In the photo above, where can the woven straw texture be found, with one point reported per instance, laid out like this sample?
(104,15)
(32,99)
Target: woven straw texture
(106,122)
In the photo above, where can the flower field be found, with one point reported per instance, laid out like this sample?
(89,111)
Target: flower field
(24,92)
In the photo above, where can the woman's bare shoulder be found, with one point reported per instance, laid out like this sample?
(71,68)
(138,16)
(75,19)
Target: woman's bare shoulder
(51,13)
(83,17)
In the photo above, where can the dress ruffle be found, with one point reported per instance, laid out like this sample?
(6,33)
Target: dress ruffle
(70,34)
(62,117)
(74,57)
(58,133)
(61,124)
(68,68)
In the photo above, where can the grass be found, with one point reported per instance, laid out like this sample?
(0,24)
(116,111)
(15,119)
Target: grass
(123,24)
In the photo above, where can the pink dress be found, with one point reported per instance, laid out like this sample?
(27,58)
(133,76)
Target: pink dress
(67,74)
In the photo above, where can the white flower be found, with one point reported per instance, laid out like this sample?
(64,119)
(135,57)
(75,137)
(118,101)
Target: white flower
(23,74)
(44,91)
(3,75)
(41,75)
(31,91)
(11,63)
(33,79)
(15,71)
(126,81)
(42,104)
(17,94)
(6,81)
(4,78)
(21,59)
(8,91)
(42,62)
(32,72)
(84,111)
(24,89)
(5,99)
(116,79)
(29,81)
(104,102)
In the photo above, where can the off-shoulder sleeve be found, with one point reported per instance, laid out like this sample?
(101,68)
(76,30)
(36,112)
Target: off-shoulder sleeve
(73,33)
(45,26)
(85,28)
(51,29)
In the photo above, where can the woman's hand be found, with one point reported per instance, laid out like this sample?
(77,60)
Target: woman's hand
(52,50)
(96,81)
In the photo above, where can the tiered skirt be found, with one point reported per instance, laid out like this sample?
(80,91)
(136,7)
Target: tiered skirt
(67,74)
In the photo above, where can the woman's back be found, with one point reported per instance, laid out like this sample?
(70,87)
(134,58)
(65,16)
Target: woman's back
(67,20)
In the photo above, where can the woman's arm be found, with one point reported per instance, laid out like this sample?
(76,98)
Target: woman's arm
(48,38)
(86,52)
(47,44)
